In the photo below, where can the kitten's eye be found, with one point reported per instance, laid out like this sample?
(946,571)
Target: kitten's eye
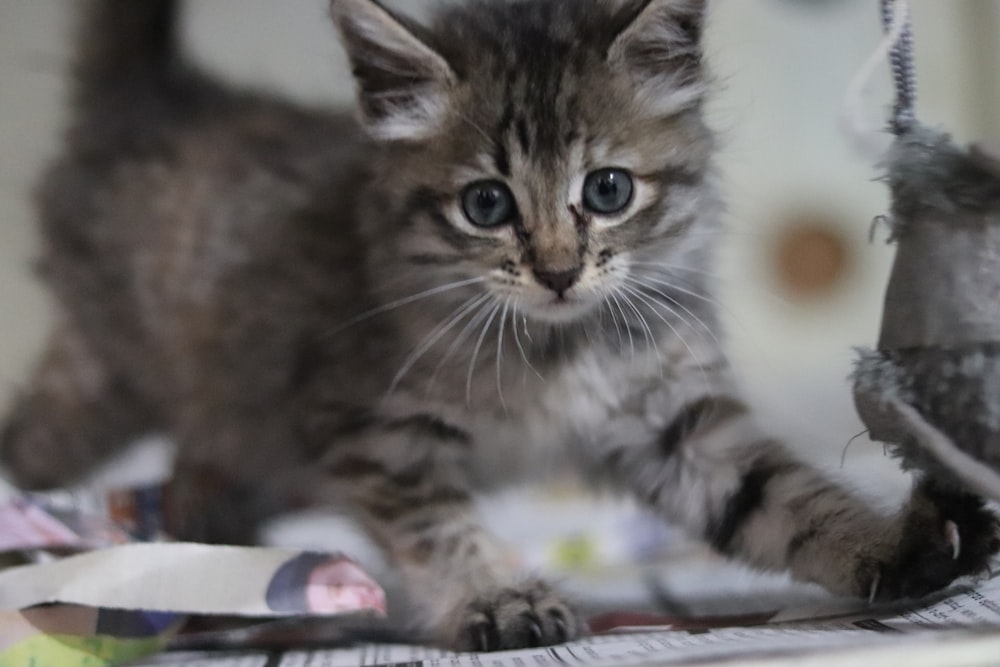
(488,204)
(608,191)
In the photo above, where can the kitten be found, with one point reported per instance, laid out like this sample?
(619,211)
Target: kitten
(501,269)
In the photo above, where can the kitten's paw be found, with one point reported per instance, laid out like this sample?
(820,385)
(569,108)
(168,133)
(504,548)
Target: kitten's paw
(529,615)
(946,535)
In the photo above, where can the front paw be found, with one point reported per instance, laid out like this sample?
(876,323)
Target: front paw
(525,616)
(945,535)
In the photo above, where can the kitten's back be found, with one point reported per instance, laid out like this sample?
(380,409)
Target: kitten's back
(183,215)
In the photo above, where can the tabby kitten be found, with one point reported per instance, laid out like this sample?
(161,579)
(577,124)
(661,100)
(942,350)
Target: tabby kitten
(500,270)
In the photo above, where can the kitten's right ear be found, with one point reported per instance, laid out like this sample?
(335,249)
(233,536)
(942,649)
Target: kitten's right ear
(660,45)
(403,84)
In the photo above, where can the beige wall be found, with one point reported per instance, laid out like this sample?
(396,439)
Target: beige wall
(783,71)
(32,53)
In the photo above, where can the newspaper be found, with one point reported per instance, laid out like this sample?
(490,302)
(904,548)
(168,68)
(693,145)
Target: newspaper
(962,629)
(128,601)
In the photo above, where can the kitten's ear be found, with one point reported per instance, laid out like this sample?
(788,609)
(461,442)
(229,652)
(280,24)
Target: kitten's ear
(660,46)
(403,84)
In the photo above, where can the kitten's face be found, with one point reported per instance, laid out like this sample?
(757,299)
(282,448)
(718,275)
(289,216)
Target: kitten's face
(547,148)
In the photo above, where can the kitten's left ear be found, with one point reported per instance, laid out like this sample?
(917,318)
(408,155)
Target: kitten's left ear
(660,46)
(403,84)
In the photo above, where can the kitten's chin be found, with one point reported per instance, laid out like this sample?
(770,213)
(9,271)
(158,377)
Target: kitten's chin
(560,311)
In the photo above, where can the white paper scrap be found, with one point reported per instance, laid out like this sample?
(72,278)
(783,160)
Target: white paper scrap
(197,579)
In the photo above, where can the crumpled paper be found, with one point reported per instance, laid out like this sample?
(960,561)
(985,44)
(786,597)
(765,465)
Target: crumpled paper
(112,600)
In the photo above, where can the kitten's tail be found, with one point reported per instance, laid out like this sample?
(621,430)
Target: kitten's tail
(125,45)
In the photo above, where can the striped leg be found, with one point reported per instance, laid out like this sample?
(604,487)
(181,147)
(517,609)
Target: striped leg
(715,473)
(409,482)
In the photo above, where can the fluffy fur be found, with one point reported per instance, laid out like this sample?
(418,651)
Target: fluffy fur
(301,302)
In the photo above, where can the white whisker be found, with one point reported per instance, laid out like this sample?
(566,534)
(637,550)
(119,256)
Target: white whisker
(666,269)
(677,288)
(651,339)
(482,306)
(517,341)
(399,303)
(475,353)
(697,359)
(503,324)
(431,339)
(628,329)
(614,320)
(714,302)
(586,333)
(701,297)
(670,302)
(726,233)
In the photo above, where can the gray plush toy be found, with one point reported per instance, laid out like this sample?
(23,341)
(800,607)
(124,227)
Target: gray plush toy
(931,391)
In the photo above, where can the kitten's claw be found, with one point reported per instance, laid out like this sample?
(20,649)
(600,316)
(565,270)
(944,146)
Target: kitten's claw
(946,535)
(537,636)
(954,539)
(873,591)
(484,639)
(531,615)
(564,635)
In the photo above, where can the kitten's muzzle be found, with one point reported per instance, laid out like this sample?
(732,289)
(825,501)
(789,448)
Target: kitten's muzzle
(559,282)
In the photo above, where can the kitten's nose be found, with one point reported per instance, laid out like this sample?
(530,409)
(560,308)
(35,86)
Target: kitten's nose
(558,281)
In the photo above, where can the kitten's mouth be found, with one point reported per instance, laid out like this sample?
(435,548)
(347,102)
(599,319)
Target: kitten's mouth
(561,309)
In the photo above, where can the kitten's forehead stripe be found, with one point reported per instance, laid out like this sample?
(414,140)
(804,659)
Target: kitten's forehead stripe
(540,51)
(522,135)
(501,159)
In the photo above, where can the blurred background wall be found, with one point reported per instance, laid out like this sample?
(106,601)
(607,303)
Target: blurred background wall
(799,280)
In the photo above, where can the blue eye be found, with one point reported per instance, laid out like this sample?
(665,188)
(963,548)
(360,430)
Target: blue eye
(488,204)
(608,191)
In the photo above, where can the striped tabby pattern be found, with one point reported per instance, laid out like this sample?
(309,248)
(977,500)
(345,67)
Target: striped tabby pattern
(500,269)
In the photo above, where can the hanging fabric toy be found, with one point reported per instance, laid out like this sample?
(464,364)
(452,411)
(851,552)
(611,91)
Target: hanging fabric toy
(931,391)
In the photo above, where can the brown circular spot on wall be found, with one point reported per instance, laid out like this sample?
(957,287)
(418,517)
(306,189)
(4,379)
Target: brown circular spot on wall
(812,255)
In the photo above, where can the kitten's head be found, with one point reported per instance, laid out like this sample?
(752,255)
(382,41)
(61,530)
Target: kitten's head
(550,148)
